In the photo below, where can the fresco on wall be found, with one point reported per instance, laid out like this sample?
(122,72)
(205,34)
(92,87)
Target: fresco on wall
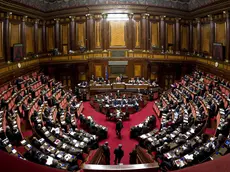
(52,5)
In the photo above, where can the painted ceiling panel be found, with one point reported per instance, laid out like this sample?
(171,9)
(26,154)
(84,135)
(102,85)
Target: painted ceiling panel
(51,5)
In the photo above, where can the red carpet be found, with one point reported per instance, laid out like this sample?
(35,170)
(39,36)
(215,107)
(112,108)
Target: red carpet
(210,131)
(128,144)
(27,133)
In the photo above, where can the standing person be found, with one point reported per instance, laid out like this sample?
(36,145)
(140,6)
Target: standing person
(106,152)
(133,156)
(119,126)
(119,153)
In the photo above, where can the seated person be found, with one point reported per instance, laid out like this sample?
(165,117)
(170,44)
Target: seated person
(118,79)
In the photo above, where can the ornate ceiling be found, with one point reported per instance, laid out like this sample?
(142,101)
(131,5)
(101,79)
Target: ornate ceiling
(51,5)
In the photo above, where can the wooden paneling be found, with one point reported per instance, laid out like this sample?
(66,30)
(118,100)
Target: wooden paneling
(205,37)
(64,34)
(221,33)
(184,37)
(65,38)
(82,76)
(117,33)
(137,70)
(81,34)
(29,39)
(40,40)
(8,72)
(170,33)
(15,34)
(98,70)
(50,37)
(137,34)
(194,38)
(155,34)
(98,31)
(1,40)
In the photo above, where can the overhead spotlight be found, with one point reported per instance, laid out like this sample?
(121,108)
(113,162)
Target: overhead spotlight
(224,12)
(10,13)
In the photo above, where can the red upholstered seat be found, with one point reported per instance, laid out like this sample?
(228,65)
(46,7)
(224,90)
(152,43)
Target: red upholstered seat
(213,119)
(153,153)
(79,162)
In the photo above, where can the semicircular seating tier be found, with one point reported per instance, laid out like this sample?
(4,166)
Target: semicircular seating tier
(39,123)
(118,106)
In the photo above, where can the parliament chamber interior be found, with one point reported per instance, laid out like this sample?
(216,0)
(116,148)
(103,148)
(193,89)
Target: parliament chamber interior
(114,85)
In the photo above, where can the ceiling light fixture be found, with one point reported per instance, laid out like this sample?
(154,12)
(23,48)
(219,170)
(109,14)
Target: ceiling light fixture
(117,17)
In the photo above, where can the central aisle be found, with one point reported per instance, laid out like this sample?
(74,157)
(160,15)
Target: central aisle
(127,143)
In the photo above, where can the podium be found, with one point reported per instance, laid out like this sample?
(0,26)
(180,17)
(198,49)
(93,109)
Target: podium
(17,52)
(218,51)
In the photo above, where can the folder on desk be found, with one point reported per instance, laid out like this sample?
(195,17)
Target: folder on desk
(223,150)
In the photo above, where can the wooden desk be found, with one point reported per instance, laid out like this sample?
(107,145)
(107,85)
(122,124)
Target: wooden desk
(156,109)
(100,87)
(150,167)
(225,90)
(215,156)
(118,86)
(80,108)
(136,86)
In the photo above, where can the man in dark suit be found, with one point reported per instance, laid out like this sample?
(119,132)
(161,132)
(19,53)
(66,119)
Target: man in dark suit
(119,153)
(54,101)
(133,156)
(18,82)
(152,122)
(119,126)
(24,108)
(18,99)
(30,99)
(14,91)
(3,103)
(43,79)
(106,152)
(32,92)
(10,134)
(40,102)
(35,142)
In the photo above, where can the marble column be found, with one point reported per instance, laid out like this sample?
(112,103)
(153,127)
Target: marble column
(144,34)
(44,41)
(227,13)
(162,33)
(212,34)
(190,36)
(72,33)
(6,38)
(105,32)
(23,34)
(90,32)
(57,34)
(130,35)
(198,35)
(148,43)
(36,36)
(178,32)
